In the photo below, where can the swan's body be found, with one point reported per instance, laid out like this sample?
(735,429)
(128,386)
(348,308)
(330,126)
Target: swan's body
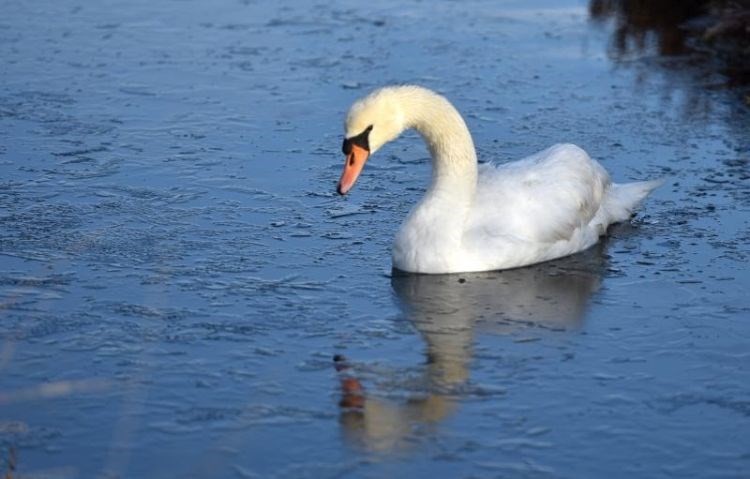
(485,217)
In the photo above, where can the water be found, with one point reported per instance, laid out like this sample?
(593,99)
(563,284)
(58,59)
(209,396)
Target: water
(176,271)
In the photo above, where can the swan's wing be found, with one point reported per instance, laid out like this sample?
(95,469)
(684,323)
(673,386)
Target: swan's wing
(544,198)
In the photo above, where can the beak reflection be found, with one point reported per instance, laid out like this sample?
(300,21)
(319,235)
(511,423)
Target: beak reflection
(448,310)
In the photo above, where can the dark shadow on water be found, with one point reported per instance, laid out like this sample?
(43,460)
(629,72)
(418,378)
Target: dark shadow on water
(714,33)
(645,25)
(448,311)
(695,52)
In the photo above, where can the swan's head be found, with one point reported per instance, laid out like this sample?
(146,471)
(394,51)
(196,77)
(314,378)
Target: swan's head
(372,122)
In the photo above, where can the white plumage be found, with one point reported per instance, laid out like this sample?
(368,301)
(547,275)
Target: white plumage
(486,217)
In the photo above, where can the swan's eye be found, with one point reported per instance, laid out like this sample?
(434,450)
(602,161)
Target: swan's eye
(362,140)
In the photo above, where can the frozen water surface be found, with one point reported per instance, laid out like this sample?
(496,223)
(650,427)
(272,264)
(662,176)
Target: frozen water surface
(176,272)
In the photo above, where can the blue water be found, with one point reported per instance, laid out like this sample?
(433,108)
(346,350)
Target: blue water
(177,272)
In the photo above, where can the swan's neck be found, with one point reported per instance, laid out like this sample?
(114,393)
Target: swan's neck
(437,223)
(454,160)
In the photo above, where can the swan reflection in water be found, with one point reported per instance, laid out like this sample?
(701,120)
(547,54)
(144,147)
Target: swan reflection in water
(448,310)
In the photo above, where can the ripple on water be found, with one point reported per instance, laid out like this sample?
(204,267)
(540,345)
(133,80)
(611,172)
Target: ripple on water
(169,225)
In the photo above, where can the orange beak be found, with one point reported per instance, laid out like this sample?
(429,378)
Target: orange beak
(355,161)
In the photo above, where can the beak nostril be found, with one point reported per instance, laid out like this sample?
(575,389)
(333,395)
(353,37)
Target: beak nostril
(351,160)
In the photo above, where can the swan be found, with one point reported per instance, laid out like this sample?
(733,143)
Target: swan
(484,217)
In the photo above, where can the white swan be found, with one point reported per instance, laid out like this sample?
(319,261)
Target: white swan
(485,217)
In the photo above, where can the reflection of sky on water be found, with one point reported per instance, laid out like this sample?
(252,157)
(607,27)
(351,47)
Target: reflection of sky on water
(176,270)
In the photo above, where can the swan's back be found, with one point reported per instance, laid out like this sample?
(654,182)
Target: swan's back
(543,198)
(548,205)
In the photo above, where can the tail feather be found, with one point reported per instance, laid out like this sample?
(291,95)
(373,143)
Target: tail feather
(623,199)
